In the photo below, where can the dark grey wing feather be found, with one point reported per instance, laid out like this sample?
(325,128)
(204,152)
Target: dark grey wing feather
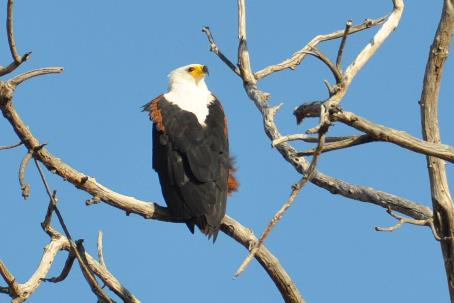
(192,162)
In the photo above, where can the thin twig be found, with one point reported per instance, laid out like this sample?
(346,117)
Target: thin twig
(100,250)
(402,220)
(10,146)
(287,138)
(340,52)
(214,48)
(278,216)
(329,87)
(340,144)
(333,68)
(310,139)
(25,187)
(48,218)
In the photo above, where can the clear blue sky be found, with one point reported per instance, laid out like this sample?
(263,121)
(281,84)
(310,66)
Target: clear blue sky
(116,56)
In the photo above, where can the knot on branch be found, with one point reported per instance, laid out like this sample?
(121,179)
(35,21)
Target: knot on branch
(6,92)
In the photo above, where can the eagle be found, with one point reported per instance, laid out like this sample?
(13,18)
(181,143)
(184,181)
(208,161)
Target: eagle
(191,150)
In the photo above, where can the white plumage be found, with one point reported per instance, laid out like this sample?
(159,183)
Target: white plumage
(189,93)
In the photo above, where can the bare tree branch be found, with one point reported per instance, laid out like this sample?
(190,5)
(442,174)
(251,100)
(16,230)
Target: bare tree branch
(337,94)
(100,249)
(332,67)
(89,276)
(376,42)
(244,62)
(294,137)
(110,281)
(380,132)
(311,139)
(34,73)
(441,198)
(401,221)
(98,269)
(65,271)
(214,48)
(9,28)
(340,52)
(17,59)
(59,242)
(340,144)
(24,186)
(397,137)
(337,186)
(14,290)
(22,292)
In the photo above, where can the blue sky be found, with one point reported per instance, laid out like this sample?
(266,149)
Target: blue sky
(117,55)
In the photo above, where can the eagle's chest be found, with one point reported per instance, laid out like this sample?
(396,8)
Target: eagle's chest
(194,101)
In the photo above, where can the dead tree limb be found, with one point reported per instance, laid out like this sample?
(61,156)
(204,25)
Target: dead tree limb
(441,197)
(380,132)
(10,146)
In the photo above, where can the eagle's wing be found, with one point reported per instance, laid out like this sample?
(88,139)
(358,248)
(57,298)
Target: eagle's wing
(192,162)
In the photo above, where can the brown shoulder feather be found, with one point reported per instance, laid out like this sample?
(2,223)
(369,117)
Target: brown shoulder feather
(155,113)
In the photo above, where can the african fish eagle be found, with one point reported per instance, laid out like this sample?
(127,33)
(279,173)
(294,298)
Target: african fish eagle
(191,150)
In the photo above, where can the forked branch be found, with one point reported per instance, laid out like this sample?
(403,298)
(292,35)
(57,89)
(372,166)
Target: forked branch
(17,59)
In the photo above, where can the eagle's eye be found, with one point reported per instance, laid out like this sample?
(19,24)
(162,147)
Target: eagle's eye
(191,69)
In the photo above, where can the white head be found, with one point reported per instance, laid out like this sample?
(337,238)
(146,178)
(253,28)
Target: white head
(189,75)
(188,90)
